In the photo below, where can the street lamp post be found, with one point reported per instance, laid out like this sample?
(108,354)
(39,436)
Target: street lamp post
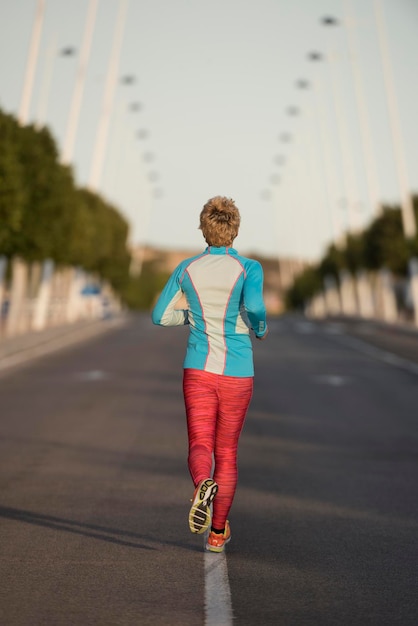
(306,195)
(104,121)
(23,114)
(341,134)
(370,168)
(74,114)
(121,138)
(347,162)
(407,209)
(324,151)
(51,55)
(408,216)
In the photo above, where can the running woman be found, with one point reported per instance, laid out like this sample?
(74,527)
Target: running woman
(224,295)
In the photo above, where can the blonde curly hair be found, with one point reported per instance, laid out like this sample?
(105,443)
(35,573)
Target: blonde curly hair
(219,221)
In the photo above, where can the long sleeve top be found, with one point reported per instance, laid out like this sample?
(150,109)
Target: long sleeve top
(224,294)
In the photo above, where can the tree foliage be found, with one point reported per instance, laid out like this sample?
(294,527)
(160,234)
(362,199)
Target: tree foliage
(354,253)
(305,286)
(385,244)
(43,214)
(332,262)
(141,291)
(12,190)
(381,244)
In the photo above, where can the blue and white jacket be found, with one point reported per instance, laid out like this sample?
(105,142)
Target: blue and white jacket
(224,294)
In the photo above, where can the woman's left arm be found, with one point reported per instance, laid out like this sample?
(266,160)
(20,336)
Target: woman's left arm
(253,299)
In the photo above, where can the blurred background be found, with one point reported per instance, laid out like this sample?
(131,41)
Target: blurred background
(119,119)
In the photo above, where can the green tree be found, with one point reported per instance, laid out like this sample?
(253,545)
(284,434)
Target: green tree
(332,262)
(48,195)
(141,291)
(354,253)
(385,244)
(12,195)
(44,215)
(103,245)
(305,286)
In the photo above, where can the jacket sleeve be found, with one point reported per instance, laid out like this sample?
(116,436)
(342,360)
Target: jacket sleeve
(253,298)
(164,312)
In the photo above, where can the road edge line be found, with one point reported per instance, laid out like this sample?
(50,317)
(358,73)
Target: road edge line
(382,355)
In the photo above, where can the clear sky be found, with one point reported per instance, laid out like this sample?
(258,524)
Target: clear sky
(222,111)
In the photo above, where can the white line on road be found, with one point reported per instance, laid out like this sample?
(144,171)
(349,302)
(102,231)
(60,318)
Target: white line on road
(377,353)
(92,375)
(305,328)
(331,379)
(218,607)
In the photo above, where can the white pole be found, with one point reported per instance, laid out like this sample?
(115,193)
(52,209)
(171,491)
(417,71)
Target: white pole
(31,63)
(408,217)
(365,300)
(68,149)
(388,300)
(18,294)
(326,161)
(3,267)
(372,180)
(40,314)
(103,129)
(311,158)
(413,271)
(119,140)
(348,173)
(46,84)
(348,294)
(302,203)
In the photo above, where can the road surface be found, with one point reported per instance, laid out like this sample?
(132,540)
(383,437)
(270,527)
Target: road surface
(95,489)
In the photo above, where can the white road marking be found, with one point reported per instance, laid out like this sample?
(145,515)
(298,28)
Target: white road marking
(332,379)
(218,606)
(377,353)
(92,375)
(305,328)
(334,329)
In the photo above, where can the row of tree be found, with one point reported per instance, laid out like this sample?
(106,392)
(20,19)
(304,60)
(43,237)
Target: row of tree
(381,244)
(44,214)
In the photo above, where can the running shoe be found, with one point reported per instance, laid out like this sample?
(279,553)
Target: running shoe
(217,542)
(199,516)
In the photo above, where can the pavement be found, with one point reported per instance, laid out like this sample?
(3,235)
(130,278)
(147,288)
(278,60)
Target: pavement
(24,348)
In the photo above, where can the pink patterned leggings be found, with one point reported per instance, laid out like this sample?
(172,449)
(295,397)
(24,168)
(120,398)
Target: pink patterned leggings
(216,407)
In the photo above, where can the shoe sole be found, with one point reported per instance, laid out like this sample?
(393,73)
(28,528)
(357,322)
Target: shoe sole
(199,516)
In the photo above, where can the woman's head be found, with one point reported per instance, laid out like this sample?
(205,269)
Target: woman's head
(219,221)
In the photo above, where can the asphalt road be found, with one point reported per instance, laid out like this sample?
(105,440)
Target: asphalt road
(94,486)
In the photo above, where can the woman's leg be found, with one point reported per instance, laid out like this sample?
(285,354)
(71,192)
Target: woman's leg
(234,398)
(201,401)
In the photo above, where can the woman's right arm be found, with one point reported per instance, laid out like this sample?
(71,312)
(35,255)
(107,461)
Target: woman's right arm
(164,312)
